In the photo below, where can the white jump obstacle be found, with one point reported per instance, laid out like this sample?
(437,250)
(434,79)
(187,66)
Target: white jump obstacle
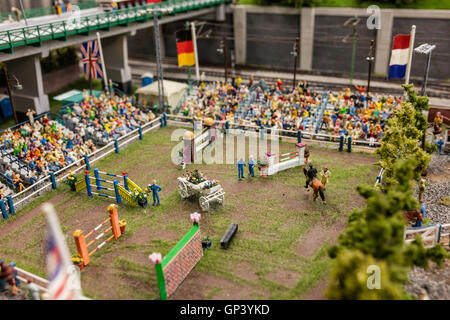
(280,162)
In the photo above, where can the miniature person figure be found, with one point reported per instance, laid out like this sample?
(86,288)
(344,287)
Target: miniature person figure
(310,175)
(16,12)
(155,189)
(7,276)
(251,166)
(422,186)
(440,143)
(240,164)
(33,291)
(419,220)
(307,153)
(325,174)
(423,208)
(30,114)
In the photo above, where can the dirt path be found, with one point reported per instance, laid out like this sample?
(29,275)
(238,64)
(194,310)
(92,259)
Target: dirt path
(10,226)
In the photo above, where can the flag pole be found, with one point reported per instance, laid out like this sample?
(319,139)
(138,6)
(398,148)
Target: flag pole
(105,77)
(67,264)
(194,40)
(90,70)
(410,52)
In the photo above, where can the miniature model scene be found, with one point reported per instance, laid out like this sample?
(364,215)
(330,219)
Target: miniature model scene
(145,165)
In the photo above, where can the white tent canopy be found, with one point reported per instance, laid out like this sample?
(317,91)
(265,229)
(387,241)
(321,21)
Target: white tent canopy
(173,91)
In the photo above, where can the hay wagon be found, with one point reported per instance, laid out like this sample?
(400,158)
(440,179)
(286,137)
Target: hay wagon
(207,196)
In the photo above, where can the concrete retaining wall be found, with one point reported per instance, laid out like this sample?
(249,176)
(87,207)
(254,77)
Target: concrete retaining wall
(265,36)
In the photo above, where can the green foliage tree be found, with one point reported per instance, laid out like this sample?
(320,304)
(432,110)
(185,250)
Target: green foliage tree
(403,134)
(374,236)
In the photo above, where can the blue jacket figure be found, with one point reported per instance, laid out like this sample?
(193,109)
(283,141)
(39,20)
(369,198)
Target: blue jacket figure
(251,166)
(155,189)
(423,209)
(240,164)
(440,143)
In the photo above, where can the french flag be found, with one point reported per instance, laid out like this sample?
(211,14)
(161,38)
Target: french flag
(399,57)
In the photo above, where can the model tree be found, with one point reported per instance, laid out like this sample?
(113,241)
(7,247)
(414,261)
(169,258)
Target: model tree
(374,236)
(404,131)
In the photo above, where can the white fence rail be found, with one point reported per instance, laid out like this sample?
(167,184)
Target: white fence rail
(431,235)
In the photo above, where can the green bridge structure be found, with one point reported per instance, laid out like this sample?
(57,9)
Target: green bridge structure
(22,48)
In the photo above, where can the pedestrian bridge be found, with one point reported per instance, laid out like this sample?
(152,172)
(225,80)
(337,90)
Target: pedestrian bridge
(83,25)
(21,48)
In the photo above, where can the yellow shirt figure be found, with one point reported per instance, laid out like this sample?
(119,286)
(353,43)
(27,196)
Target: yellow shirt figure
(238,81)
(325,174)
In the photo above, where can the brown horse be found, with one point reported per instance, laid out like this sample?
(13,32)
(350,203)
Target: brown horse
(317,187)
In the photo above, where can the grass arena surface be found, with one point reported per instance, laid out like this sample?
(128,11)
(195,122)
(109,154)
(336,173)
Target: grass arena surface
(279,251)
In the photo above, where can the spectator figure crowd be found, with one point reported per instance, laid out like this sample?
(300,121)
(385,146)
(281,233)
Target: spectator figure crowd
(348,113)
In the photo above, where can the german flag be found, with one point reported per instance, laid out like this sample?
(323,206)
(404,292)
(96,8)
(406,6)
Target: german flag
(185,48)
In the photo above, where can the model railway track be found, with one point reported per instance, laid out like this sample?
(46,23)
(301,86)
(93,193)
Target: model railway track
(438,89)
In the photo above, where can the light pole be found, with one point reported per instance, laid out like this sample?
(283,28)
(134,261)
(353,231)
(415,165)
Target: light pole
(223,50)
(370,59)
(353,23)
(425,49)
(295,54)
(23,12)
(17,86)
(155,12)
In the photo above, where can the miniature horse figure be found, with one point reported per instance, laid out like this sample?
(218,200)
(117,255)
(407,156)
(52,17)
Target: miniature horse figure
(317,187)
(7,275)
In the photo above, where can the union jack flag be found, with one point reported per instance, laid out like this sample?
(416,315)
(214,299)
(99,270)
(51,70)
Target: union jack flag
(91,64)
(62,274)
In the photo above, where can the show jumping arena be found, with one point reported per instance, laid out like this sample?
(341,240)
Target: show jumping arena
(278,252)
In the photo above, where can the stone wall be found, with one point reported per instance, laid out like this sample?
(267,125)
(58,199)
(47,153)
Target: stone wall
(180,266)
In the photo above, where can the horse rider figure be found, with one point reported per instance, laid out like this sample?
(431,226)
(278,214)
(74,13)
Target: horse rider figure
(314,182)
(310,174)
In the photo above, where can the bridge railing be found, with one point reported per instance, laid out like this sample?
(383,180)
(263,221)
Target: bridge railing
(11,39)
(41,12)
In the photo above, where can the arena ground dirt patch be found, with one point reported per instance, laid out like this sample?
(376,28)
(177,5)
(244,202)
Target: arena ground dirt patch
(275,216)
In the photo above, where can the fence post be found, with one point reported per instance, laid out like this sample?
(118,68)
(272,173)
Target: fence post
(161,281)
(341,143)
(165,119)
(86,161)
(125,183)
(52,178)
(349,144)
(140,133)
(3,207)
(299,136)
(97,179)
(116,190)
(88,183)
(80,242)
(114,219)
(10,205)
(261,132)
(116,145)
